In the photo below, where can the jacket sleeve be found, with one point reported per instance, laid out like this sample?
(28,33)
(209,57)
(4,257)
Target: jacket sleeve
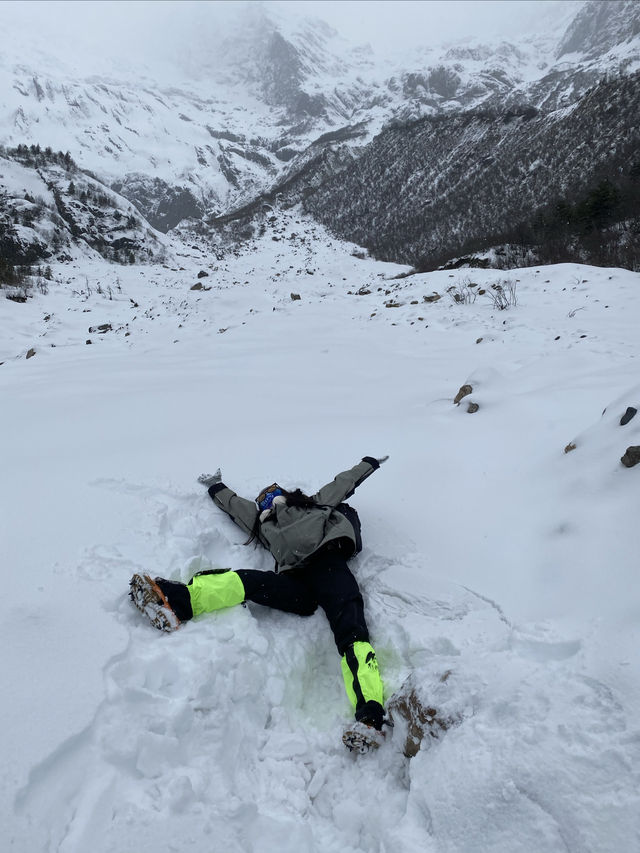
(345,484)
(240,510)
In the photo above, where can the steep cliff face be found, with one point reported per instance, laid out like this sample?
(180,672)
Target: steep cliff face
(601,27)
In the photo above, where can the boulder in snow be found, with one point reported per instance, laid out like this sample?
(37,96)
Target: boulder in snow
(631,457)
(464,391)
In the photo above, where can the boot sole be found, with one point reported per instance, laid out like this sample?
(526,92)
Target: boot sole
(147,596)
(362,739)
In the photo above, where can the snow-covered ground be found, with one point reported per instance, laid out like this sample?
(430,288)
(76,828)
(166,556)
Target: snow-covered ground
(498,570)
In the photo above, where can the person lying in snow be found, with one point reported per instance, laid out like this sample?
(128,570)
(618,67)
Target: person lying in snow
(311,539)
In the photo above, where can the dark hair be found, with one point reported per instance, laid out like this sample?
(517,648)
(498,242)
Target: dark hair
(296,498)
(299,499)
(255,530)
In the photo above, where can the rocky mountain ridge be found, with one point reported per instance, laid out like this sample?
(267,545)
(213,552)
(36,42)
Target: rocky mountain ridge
(278,107)
(50,208)
(445,186)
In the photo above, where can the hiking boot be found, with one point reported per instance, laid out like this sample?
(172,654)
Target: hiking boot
(149,598)
(360,737)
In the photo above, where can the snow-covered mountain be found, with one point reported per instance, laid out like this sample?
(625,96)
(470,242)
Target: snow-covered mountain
(437,188)
(242,106)
(220,130)
(602,30)
(454,149)
(49,207)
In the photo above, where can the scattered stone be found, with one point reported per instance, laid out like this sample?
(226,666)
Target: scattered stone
(101,330)
(295,297)
(433,298)
(392,304)
(571,446)
(479,340)
(630,413)
(464,391)
(364,291)
(631,457)
(31,353)
(89,341)
(422,721)
(472,408)
(203,274)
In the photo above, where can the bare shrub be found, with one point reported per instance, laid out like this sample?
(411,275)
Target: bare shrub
(463,292)
(503,294)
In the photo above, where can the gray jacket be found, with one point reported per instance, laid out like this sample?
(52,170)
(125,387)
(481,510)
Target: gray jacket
(293,534)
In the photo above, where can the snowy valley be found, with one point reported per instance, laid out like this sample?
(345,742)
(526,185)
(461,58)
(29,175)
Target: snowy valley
(499,572)
(154,329)
(444,151)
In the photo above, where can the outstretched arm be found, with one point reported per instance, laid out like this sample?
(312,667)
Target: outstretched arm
(240,510)
(345,484)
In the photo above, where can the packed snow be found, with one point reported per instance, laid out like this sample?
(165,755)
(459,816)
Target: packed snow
(499,571)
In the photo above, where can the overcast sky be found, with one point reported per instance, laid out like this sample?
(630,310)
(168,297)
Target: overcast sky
(148,27)
(393,23)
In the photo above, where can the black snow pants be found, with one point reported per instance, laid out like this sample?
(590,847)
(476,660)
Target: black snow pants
(325,581)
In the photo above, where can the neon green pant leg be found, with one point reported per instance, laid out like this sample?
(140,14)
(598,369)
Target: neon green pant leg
(361,675)
(215,591)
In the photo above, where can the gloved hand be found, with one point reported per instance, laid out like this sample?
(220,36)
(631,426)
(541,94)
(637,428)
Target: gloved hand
(210,479)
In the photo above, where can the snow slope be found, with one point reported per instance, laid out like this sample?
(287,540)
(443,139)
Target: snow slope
(498,570)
